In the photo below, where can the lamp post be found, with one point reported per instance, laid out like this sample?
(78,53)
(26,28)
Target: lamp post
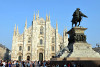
(98,45)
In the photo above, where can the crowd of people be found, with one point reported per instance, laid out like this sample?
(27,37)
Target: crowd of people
(24,63)
(67,65)
(33,64)
(37,64)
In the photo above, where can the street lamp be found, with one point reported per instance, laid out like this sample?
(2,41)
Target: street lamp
(98,45)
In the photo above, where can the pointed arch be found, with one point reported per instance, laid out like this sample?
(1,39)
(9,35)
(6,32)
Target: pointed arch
(41,41)
(53,40)
(20,48)
(41,30)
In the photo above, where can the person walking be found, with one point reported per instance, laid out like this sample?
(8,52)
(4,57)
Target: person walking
(17,64)
(28,64)
(1,64)
(10,64)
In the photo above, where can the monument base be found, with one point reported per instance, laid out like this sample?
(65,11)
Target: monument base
(78,46)
(84,62)
(76,59)
(80,52)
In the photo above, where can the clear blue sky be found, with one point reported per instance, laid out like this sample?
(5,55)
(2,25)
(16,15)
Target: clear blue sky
(16,11)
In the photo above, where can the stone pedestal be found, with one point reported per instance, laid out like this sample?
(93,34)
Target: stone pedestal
(79,51)
(76,34)
(78,46)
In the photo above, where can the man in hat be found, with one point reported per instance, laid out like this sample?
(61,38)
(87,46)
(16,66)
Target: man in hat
(77,16)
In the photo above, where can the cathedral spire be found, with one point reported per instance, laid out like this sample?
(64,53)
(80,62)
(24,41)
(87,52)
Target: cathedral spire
(34,16)
(37,15)
(14,30)
(46,17)
(57,39)
(17,31)
(49,17)
(56,26)
(26,24)
(64,32)
(66,29)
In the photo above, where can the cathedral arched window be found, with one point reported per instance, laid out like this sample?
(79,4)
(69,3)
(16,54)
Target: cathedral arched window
(28,48)
(53,40)
(29,39)
(20,48)
(52,48)
(41,30)
(41,41)
(19,58)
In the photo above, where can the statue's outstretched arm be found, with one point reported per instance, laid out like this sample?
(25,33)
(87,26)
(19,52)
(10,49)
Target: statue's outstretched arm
(83,14)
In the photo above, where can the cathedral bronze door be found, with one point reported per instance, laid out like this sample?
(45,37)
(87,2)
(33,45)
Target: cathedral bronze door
(28,58)
(40,56)
(19,58)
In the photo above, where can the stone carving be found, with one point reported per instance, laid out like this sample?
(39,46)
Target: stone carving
(77,38)
(77,35)
(61,52)
(80,37)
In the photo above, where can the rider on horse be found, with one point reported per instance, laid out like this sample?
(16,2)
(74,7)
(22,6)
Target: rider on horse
(77,16)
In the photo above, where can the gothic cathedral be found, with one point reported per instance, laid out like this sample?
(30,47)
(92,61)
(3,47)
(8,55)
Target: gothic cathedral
(38,42)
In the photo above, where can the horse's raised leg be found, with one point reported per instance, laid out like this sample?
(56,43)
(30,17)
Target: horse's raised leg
(79,24)
(75,24)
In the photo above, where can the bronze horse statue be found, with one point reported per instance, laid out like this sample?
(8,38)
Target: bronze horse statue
(77,17)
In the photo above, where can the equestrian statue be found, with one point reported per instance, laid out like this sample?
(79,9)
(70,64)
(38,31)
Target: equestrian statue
(77,17)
